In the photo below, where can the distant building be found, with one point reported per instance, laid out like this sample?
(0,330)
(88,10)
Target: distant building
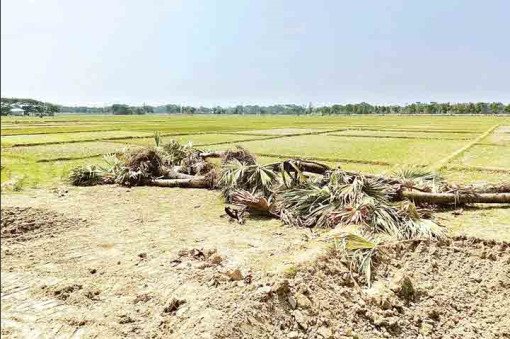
(17,111)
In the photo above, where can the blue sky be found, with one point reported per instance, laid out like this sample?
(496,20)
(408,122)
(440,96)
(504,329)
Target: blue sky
(245,52)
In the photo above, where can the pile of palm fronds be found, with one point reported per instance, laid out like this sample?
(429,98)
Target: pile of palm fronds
(240,154)
(299,192)
(150,166)
(256,179)
(336,198)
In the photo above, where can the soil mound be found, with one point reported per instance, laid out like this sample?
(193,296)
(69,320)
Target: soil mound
(27,223)
(458,288)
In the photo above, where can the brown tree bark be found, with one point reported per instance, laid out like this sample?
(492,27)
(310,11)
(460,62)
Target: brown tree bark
(499,188)
(212,154)
(302,165)
(199,182)
(453,198)
(172,174)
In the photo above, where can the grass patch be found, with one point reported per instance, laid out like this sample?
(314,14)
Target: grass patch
(485,156)
(269,133)
(73,150)
(20,140)
(407,134)
(35,175)
(470,177)
(283,131)
(196,139)
(391,151)
(21,130)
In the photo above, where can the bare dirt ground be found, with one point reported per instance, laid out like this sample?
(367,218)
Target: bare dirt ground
(148,262)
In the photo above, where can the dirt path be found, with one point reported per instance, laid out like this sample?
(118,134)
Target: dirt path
(121,243)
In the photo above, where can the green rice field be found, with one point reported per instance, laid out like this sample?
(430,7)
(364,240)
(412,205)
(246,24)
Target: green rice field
(39,152)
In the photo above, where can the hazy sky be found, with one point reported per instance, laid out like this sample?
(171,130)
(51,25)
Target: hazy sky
(255,51)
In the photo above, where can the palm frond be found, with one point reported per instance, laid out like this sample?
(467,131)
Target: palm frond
(174,152)
(361,253)
(240,154)
(86,176)
(157,139)
(416,173)
(252,178)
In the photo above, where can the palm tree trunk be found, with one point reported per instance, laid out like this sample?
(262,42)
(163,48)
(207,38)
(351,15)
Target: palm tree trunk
(199,182)
(453,198)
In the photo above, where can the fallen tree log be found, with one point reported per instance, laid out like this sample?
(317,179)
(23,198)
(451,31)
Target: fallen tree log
(195,182)
(290,166)
(179,169)
(454,198)
(478,189)
(175,172)
(212,154)
(312,167)
(171,174)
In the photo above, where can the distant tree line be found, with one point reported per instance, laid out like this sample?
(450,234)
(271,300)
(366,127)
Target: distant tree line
(418,108)
(29,107)
(292,109)
(34,106)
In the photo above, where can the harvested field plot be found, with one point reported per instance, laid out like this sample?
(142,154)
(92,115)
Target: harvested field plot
(19,174)
(196,139)
(389,151)
(18,140)
(466,175)
(406,134)
(486,156)
(501,136)
(61,151)
(386,146)
(283,131)
(56,129)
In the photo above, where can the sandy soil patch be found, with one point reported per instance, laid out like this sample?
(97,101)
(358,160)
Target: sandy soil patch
(162,263)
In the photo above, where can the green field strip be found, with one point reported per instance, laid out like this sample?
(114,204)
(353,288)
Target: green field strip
(392,151)
(485,156)
(470,177)
(252,137)
(393,137)
(353,161)
(65,151)
(61,132)
(72,141)
(478,169)
(71,158)
(492,144)
(280,131)
(414,134)
(197,139)
(417,130)
(443,162)
(247,134)
(274,137)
